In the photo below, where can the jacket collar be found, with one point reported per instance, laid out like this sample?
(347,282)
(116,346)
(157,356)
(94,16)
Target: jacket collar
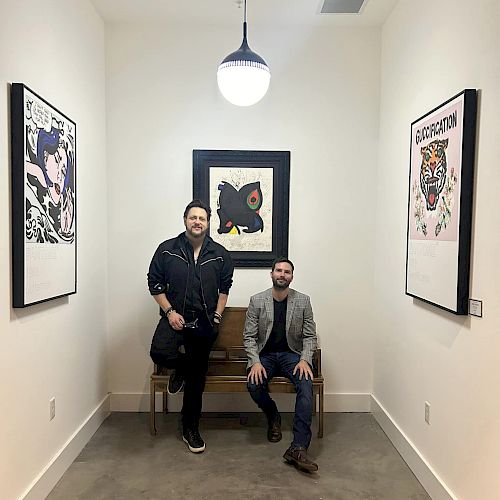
(269,304)
(182,242)
(291,294)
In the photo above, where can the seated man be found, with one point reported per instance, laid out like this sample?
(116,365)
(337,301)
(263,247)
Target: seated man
(280,338)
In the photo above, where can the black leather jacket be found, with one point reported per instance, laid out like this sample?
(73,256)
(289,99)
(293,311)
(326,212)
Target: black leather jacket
(169,272)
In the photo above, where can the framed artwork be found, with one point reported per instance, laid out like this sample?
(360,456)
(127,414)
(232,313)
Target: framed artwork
(43,199)
(248,192)
(440,203)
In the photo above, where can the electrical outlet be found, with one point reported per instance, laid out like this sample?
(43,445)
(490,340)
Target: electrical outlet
(427,412)
(52,408)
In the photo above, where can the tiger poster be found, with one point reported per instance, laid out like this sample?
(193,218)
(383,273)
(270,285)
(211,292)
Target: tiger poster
(441,164)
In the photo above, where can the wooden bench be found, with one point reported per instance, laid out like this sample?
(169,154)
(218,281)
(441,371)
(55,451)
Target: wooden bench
(227,369)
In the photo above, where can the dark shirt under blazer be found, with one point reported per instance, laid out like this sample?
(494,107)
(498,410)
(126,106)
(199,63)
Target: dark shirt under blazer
(300,325)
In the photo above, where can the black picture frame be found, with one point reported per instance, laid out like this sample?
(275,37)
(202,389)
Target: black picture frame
(442,155)
(270,170)
(43,165)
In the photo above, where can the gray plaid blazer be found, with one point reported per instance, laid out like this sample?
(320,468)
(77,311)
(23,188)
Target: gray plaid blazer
(300,326)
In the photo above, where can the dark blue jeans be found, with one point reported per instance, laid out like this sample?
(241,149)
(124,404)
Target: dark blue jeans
(283,363)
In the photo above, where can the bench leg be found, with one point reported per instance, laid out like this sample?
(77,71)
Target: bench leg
(152,408)
(321,408)
(165,402)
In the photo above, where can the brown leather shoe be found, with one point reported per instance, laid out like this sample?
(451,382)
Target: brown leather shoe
(299,458)
(274,428)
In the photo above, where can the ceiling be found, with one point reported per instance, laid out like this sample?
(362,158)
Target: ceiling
(227,12)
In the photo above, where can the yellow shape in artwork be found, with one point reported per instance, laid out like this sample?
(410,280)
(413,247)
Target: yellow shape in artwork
(233,231)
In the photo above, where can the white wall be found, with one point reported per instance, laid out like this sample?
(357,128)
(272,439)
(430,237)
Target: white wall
(323,105)
(56,349)
(431,51)
(163,102)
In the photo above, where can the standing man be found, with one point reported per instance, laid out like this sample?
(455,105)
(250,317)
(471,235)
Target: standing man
(189,277)
(280,339)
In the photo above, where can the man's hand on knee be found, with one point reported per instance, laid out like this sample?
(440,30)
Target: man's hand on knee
(257,374)
(304,370)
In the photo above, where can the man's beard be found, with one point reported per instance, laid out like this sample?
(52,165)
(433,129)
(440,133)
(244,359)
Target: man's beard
(196,235)
(280,286)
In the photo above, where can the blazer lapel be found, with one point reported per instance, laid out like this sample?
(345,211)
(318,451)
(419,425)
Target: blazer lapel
(289,308)
(269,305)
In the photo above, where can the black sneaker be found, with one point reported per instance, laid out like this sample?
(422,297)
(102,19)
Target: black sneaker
(194,441)
(175,382)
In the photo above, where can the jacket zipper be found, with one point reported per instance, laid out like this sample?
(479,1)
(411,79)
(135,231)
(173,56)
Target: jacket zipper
(203,296)
(187,281)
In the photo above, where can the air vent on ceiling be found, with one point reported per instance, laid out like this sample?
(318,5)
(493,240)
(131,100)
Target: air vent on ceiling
(341,6)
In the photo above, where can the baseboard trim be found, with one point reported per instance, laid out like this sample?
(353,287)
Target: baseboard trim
(433,484)
(237,402)
(43,484)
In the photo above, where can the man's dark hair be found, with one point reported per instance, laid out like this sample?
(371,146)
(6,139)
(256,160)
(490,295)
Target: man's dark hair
(198,204)
(282,259)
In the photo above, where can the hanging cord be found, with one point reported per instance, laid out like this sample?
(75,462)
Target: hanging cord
(245,22)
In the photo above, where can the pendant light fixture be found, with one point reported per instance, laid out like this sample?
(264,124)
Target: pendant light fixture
(243,76)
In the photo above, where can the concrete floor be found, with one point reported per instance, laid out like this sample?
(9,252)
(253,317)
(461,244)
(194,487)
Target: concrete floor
(122,461)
